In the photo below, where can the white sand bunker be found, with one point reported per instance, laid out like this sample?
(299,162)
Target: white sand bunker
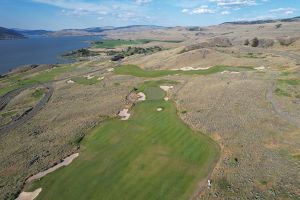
(88,77)
(70,82)
(124,114)
(110,69)
(192,68)
(261,68)
(65,162)
(159,109)
(228,72)
(29,195)
(100,78)
(166,88)
(141,96)
(166,98)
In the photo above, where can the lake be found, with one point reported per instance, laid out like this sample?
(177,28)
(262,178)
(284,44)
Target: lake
(39,50)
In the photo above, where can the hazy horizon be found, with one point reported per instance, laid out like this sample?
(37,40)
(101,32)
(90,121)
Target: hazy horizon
(78,14)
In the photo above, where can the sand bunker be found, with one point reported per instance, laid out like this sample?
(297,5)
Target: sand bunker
(166,98)
(192,68)
(166,88)
(124,114)
(110,69)
(65,162)
(70,81)
(141,96)
(100,78)
(159,109)
(261,68)
(88,77)
(228,72)
(29,195)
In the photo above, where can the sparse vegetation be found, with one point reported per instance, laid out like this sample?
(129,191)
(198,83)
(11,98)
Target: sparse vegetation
(79,53)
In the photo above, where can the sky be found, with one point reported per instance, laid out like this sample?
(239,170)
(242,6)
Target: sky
(63,14)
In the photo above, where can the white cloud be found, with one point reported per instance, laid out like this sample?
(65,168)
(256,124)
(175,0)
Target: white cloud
(200,10)
(286,11)
(225,12)
(116,10)
(140,2)
(234,2)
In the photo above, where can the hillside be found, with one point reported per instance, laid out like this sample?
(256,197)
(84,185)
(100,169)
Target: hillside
(8,34)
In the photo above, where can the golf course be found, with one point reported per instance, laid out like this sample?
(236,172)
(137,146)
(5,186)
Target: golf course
(153,155)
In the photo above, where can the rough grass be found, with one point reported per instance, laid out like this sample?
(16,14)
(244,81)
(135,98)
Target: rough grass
(288,87)
(136,71)
(109,44)
(153,155)
(38,93)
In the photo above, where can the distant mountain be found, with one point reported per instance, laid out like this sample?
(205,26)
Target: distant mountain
(32,33)
(93,31)
(9,34)
(101,30)
(294,19)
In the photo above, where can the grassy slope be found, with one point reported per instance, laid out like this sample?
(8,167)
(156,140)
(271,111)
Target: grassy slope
(154,155)
(108,44)
(136,71)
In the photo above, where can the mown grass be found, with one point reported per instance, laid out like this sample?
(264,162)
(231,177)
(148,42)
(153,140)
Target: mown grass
(39,78)
(109,44)
(136,71)
(153,155)
(85,81)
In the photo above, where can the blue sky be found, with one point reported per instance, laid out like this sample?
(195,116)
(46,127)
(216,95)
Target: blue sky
(61,14)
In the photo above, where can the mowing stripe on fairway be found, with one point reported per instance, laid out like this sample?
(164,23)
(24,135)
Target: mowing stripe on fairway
(153,155)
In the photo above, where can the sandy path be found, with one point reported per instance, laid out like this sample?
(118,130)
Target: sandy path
(29,195)
(65,162)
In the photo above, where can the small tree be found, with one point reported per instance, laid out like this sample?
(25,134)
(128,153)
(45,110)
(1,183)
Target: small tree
(246,42)
(255,42)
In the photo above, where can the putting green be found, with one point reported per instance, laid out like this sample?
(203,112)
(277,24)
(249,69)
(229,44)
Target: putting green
(153,155)
(136,71)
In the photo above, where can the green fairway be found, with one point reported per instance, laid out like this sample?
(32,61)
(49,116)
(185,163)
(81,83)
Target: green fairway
(109,44)
(17,81)
(153,155)
(136,71)
(85,81)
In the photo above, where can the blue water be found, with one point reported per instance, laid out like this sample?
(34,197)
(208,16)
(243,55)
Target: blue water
(39,50)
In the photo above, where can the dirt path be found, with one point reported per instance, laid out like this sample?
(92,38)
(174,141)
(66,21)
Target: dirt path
(30,113)
(277,109)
